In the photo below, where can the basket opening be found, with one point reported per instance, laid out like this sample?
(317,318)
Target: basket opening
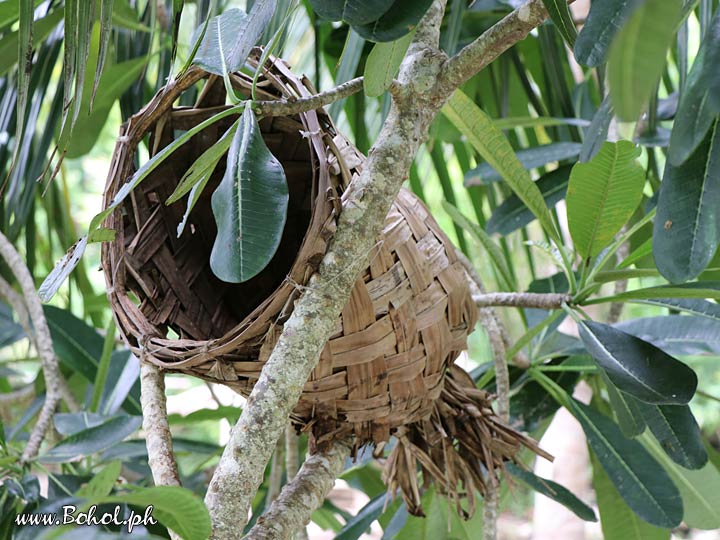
(171,276)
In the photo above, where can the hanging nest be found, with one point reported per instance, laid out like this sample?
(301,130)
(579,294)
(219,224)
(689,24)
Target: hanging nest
(387,369)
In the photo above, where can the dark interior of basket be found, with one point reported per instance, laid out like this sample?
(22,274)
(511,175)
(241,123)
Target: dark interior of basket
(171,276)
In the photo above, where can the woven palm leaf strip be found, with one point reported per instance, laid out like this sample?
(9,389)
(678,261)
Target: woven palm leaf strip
(387,369)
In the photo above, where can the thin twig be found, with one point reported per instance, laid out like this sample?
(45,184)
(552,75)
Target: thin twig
(523,300)
(490,512)
(155,425)
(43,344)
(311,103)
(302,496)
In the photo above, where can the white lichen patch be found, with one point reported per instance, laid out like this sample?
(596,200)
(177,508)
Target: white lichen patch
(524,13)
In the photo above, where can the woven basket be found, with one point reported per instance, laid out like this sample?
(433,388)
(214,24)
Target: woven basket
(384,370)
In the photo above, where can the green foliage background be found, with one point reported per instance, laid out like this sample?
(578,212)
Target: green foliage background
(523,133)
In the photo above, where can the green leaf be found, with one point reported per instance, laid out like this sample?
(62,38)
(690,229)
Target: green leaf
(250,205)
(106,13)
(93,440)
(25,57)
(530,158)
(602,195)
(70,45)
(496,255)
(626,409)
(353,12)
(177,9)
(677,334)
(10,331)
(10,42)
(640,481)
(360,523)
(712,38)
(637,55)
(561,16)
(230,37)
(512,214)
(532,403)
(76,344)
(554,491)
(85,22)
(694,115)
(125,16)
(348,65)
(639,253)
(10,11)
(399,19)
(101,484)
(686,231)
(122,386)
(700,489)
(637,367)
(596,134)
(115,80)
(203,166)
(492,145)
(103,366)
(441,522)
(177,508)
(697,289)
(618,521)
(383,63)
(71,423)
(678,433)
(603,22)
(703,308)
(512,122)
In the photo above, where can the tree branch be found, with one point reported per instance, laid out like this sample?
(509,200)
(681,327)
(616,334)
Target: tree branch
(287,108)
(524,300)
(43,344)
(366,202)
(155,424)
(299,498)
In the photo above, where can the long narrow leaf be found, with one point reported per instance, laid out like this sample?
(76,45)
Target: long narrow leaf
(492,145)
(644,485)
(250,205)
(678,433)
(637,55)
(618,521)
(493,250)
(106,12)
(638,367)
(686,231)
(561,16)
